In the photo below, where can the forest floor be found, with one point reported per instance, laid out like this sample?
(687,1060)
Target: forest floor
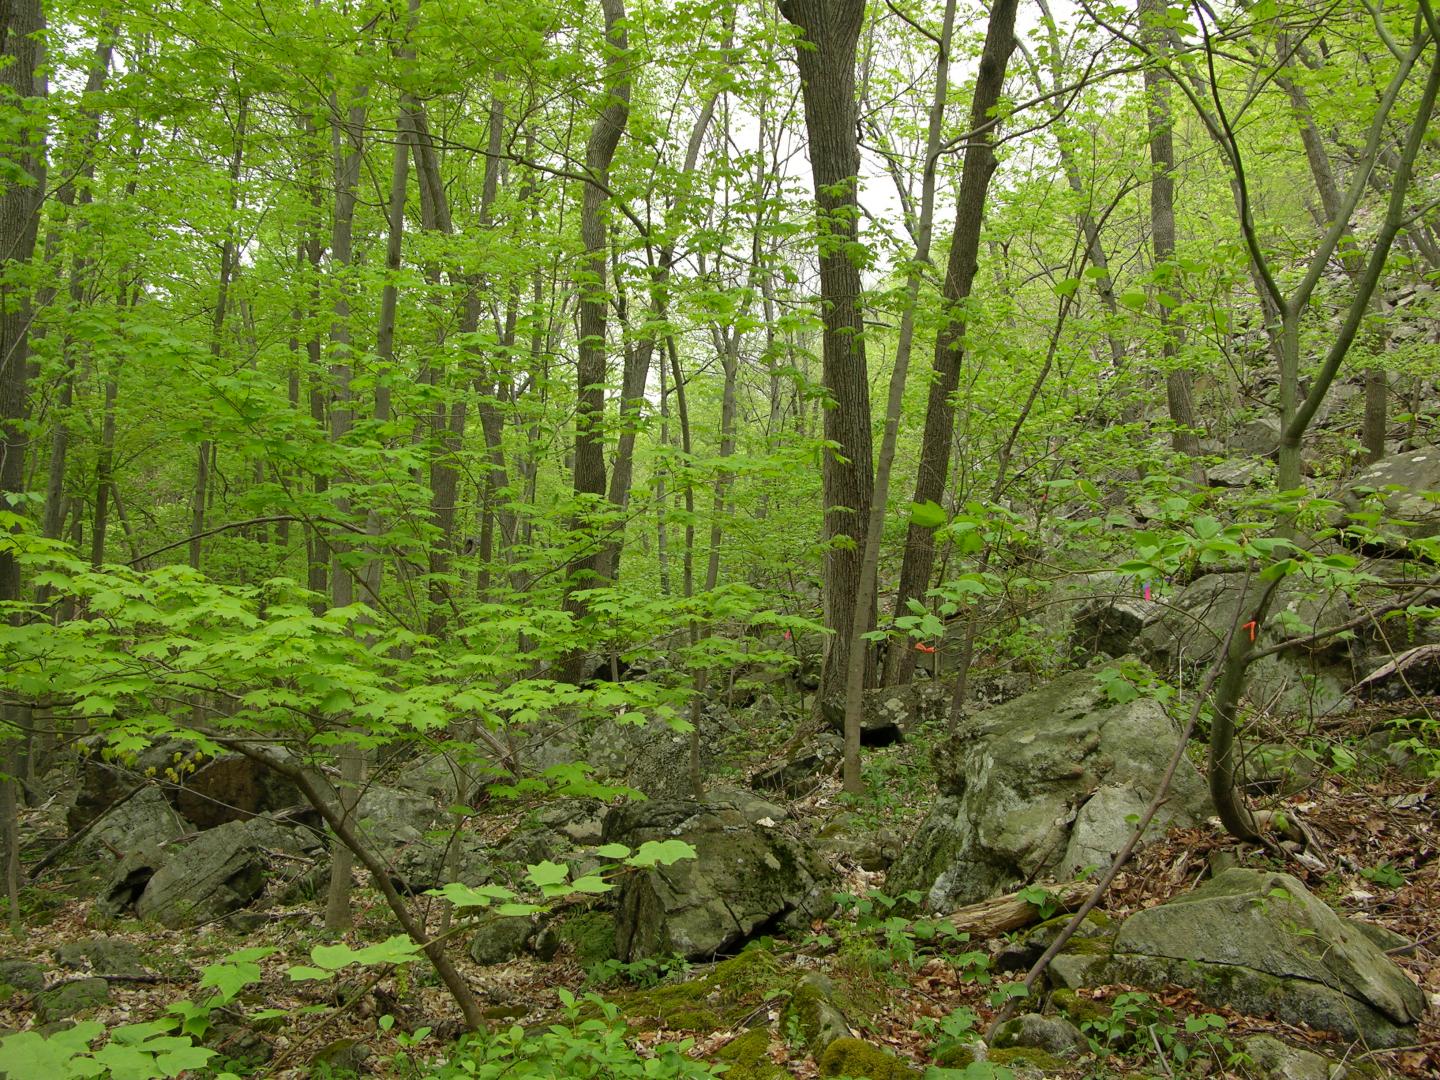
(1375,833)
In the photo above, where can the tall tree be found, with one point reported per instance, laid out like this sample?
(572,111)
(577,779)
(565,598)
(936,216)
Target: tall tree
(825,56)
(978,168)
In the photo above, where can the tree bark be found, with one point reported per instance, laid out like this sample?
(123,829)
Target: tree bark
(826,59)
(979,166)
(589,472)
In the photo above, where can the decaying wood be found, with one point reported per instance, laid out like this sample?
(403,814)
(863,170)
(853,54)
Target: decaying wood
(1011,911)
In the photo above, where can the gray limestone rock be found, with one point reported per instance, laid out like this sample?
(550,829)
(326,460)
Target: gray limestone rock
(222,870)
(1017,784)
(748,878)
(1259,942)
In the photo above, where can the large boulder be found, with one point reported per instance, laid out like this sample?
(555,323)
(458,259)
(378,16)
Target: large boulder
(1302,680)
(206,791)
(1041,787)
(145,819)
(888,712)
(748,877)
(220,871)
(1108,626)
(1257,941)
(1403,483)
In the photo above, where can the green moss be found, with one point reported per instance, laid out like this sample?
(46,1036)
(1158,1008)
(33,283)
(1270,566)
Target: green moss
(859,1060)
(956,1056)
(1028,1055)
(592,935)
(1078,1009)
(749,1057)
(716,1000)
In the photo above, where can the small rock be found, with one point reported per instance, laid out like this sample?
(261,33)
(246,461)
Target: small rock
(22,975)
(499,938)
(1281,1062)
(1053,1034)
(343,1055)
(103,956)
(70,998)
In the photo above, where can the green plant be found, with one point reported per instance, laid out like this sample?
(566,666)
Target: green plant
(645,972)
(956,1028)
(1385,874)
(1422,740)
(583,1047)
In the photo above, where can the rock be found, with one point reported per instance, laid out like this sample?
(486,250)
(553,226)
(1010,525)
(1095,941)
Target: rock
(890,711)
(592,936)
(220,871)
(747,879)
(1400,483)
(1260,437)
(206,791)
(815,1014)
(1236,473)
(747,1057)
(70,998)
(581,821)
(499,938)
(443,777)
(103,956)
(856,1057)
(389,819)
(234,788)
(1016,784)
(1053,1034)
(106,777)
(1109,626)
(806,770)
(870,849)
(146,819)
(1258,942)
(429,864)
(753,808)
(128,881)
(1277,1061)
(1302,680)
(22,975)
(342,1057)
(651,757)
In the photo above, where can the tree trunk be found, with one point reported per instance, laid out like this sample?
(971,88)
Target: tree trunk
(590,369)
(1178,395)
(979,166)
(826,60)
(20,203)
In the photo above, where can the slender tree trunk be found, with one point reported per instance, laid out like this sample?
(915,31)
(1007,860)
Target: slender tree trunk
(20,77)
(347,141)
(590,369)
(1178,391)
(870,563)
(826,60)
(979,166)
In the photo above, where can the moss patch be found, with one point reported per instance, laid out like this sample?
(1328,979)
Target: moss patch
(718,999)
(592,935)
(859,1060)
(1028,1055)
(1078,1009)
(749,1057)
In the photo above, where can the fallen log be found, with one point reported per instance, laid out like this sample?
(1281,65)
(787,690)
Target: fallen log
(1013,910)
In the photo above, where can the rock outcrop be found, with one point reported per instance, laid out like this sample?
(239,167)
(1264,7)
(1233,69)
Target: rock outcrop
(748,878)
(1257,941)
(1041,787)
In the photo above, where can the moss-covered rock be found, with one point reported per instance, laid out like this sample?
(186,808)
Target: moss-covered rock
(592,934)
(1077,1008)
(1015,1056)
(860,1060)
(715,1000)
(815,1015)
(748,1057)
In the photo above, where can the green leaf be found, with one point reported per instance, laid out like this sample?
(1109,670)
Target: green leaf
(661,853)
(591,884)
(613,851)
(463,896)
(547,874)
(300,973)
(927,515)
